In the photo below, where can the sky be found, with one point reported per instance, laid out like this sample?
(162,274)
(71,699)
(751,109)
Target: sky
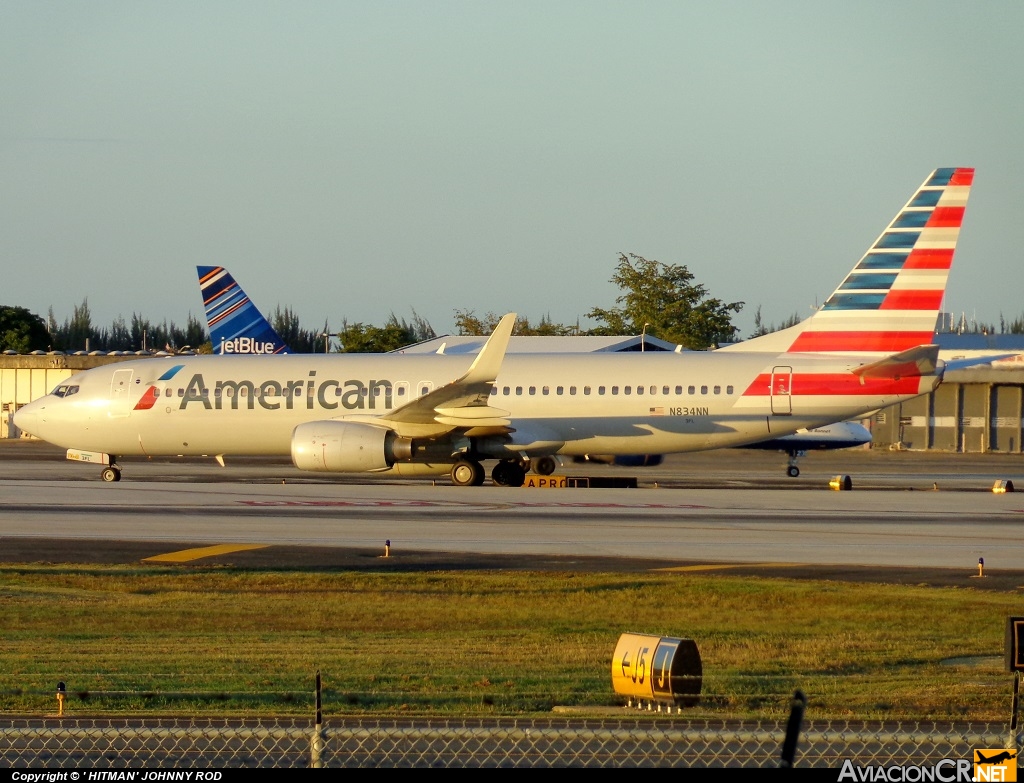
(350,160)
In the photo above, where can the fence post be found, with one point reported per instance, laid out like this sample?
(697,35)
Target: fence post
(796,717)
(1014,711)
(316,760)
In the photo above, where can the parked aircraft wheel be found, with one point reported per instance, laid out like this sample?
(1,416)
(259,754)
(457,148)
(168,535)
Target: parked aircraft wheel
(111,474)
(508,474)
(792,471)
(544,466)
(466,473)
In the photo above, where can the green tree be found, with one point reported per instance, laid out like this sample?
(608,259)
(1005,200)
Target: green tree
(663,300)
(468,323)
(367,338)
(298,340)
(761,329)
(22,331)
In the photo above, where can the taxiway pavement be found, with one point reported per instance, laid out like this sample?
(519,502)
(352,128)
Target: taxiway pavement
(905,511)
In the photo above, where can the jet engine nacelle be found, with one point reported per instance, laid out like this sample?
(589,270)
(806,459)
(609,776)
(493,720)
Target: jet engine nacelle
(347,447)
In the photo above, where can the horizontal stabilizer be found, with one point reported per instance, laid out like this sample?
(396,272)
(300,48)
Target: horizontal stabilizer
(912,363)
(977,361)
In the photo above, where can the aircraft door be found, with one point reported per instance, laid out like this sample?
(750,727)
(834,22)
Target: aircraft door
(120,392)
(781,393)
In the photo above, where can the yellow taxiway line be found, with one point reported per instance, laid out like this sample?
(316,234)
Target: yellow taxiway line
(186,555)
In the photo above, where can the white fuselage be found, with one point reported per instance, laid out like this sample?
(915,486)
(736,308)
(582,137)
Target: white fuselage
(638,403)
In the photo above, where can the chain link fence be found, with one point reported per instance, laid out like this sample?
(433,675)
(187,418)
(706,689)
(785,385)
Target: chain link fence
(624,742)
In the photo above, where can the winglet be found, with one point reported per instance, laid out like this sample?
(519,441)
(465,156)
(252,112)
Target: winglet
(487,365)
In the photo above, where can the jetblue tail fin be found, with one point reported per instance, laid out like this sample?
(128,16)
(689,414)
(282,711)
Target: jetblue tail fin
(890,300)
(236,326)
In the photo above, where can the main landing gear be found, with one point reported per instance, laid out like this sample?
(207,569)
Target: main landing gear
(543,466)
(470,473)
(467,473)
(508,473)
(792,470)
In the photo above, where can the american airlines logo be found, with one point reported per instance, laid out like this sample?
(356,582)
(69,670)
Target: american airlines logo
(272,395)
(246,345)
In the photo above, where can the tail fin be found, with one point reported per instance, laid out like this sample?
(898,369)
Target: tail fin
(890,300)
(236,326)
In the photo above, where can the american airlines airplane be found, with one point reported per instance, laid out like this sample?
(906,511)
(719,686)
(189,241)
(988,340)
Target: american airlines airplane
(868,347)
(237,326)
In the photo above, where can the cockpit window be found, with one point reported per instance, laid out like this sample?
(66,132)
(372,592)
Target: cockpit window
(65,390)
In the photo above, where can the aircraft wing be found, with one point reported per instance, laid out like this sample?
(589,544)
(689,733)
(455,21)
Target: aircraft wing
(463,403)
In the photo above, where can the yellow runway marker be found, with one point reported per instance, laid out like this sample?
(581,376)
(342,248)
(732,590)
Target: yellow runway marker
(722,566)
(185,555)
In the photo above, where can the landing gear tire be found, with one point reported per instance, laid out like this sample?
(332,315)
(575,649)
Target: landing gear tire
(111,474)
(792,471)
(508,474)
(466,473)
(543,466)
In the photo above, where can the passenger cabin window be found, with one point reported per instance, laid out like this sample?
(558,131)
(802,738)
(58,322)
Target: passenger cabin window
(600,389)
(559,390)
(718,390)
(545,390)
(506,391)
(639,389)
(586,390)
(615,389)
(703,389)
(519,389)
(533,390)
(728,389)
(627,390)
(691,389)
(679,390)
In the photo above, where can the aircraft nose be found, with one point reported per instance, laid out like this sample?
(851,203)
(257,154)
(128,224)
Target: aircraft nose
(27,418)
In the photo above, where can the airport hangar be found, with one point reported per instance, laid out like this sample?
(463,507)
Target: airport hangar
(980,409)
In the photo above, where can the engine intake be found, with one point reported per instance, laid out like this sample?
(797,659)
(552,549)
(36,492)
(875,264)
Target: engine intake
(347,447)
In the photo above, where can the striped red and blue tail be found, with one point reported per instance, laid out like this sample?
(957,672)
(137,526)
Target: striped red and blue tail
(891,300)
(236,325)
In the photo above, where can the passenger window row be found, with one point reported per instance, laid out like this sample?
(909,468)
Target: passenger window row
(665,391)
